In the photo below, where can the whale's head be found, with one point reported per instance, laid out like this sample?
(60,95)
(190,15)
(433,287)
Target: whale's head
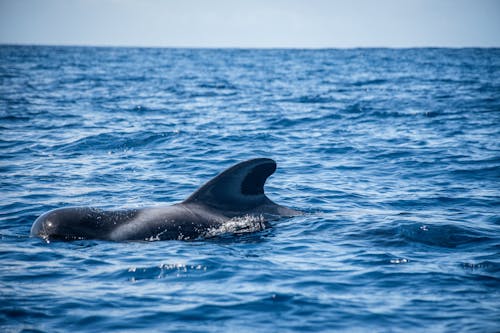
(65,223)
(47,224)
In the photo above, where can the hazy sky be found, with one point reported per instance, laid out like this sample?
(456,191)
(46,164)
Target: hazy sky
(252,23)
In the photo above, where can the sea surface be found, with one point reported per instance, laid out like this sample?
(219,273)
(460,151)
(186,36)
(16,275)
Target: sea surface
(393,155)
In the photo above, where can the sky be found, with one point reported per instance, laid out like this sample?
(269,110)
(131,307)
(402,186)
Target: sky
(252,23)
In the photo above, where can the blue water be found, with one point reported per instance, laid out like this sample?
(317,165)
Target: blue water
(394,155)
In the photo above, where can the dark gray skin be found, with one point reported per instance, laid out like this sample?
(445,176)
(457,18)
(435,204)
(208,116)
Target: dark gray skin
(236,193)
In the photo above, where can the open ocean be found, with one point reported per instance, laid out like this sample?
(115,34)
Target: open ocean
(394,155)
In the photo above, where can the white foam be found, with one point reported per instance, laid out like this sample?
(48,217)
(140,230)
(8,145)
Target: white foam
(238,225)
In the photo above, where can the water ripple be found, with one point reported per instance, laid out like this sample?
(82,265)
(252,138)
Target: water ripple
(392,154)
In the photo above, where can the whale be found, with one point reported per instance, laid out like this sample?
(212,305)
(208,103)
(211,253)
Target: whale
(233,201)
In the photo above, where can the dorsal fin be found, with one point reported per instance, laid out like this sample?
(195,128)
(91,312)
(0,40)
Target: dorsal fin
(239,187)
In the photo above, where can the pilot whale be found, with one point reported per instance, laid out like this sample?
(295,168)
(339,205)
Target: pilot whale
(236,193)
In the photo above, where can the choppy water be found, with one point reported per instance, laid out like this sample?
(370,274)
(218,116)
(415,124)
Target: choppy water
(393,154)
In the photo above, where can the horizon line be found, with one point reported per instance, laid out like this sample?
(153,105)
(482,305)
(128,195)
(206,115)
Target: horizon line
(248,47)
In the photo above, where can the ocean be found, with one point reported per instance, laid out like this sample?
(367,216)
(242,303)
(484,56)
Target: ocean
(392,154)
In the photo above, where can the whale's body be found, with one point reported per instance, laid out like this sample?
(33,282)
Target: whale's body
(235,194)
